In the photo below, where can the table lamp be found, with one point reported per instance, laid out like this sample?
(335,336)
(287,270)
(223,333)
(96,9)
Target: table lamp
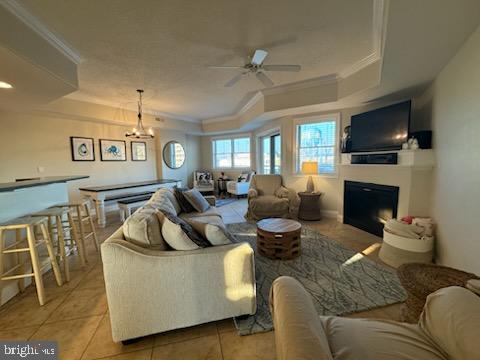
(310,168)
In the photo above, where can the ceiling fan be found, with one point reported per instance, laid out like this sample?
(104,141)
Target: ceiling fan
(256,66)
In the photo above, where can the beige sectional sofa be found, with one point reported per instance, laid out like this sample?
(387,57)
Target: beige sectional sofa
(448,329)
(151,289)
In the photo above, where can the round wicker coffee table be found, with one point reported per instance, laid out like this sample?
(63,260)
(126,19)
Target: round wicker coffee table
(278,239)
(420,280)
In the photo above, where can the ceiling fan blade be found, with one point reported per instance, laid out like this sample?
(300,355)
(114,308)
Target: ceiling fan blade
(233,80)
(225,67)
(293,68)
(259,57)
(264,79)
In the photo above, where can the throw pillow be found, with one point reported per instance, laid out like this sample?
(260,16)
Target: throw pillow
(196,199)
(143,228)
(179,234)
(168,192)
(216,234)
(203,178)
(160,201)
(184,204)
(243,177)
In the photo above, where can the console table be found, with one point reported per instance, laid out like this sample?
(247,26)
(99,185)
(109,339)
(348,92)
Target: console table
(102,194)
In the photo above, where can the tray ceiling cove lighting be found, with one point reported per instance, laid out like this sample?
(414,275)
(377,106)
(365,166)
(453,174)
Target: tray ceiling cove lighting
(5,85)
(139,132)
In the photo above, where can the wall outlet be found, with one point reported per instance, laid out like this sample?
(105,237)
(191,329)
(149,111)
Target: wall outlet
(40,169)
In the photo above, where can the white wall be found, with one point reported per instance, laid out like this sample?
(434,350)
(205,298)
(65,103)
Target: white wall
(454,104)
(29,141)
(191,145)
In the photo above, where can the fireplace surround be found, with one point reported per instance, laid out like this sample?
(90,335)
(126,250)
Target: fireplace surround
(368,206)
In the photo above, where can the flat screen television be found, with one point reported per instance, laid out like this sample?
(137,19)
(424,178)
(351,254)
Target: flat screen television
(381,129)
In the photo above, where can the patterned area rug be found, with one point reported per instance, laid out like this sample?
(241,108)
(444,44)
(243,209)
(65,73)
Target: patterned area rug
(340,280)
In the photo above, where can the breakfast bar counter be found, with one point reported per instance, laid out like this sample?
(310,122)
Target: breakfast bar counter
(20,198)
(26,197)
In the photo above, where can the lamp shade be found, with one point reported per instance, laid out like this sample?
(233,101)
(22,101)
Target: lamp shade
(310,168)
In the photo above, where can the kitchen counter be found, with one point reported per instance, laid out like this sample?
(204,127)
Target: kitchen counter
(12,186)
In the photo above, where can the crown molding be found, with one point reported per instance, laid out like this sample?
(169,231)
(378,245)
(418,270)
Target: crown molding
(379,28)
(15,8)
(257,97)
(91,99)
(300,85)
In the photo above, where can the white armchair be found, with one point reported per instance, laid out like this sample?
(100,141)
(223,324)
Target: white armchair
(241,185)
(144,298)
(203,181)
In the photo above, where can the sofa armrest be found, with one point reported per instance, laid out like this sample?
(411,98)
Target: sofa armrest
(252,193)
(212,200)
(151,291)
(299,333)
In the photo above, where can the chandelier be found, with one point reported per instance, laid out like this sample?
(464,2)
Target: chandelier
(139,131)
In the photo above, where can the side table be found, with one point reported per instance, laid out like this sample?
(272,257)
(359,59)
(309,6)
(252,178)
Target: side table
(309,206)
(279,239)
(222,187)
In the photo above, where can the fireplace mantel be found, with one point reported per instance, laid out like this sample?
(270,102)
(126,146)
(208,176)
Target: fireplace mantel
(414,184)
(422,159)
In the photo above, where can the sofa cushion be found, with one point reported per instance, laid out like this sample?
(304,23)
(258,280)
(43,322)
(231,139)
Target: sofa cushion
(196,199)
(182,201)
(212,211)
(179,234)
(269,204)
(169,193)
(143,228)
(353,339)
(160,201)
(212,229)
(451,317)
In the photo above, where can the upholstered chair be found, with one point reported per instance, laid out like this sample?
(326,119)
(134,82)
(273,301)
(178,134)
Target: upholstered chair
(203,181)
(240,186)
(267,197)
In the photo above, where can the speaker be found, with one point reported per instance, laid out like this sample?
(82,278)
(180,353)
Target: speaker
(379,159)
(424,138)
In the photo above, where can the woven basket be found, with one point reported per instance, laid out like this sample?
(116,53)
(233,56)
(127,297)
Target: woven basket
(420,280)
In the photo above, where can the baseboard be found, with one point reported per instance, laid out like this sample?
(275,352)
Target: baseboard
(330,214)
(340,218)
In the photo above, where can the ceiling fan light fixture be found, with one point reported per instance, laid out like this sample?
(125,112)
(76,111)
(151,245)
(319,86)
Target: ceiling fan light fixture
(139,131)
(5,85)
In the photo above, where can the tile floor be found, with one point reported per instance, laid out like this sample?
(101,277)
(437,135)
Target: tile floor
(76,314)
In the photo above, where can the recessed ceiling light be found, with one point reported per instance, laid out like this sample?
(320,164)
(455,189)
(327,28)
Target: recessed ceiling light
(5,85)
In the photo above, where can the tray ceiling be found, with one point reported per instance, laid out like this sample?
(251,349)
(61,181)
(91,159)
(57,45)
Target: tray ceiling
(166,46)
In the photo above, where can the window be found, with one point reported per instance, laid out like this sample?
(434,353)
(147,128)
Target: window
(270,155)
(316,140)
(231,153)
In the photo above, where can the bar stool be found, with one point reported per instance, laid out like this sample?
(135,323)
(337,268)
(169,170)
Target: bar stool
(29,224)
(81,213)
(58,228)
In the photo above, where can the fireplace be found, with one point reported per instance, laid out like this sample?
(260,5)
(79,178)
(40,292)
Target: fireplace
(368,206)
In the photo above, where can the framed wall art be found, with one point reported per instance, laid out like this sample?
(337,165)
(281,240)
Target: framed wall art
(139,150)
(113,150)
(83,149)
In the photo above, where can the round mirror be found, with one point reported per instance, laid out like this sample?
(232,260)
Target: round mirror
(173,154)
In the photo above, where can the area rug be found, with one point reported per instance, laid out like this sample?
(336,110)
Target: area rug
(340,280)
